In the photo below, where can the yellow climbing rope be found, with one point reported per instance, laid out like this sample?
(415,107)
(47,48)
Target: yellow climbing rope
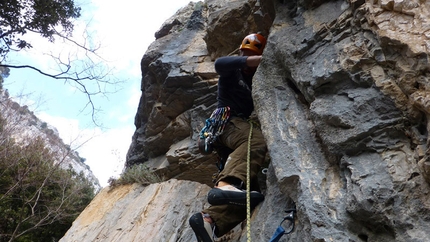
(248,186)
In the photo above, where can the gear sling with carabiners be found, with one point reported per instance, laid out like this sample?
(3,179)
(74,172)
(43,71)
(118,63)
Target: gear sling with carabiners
(214,126)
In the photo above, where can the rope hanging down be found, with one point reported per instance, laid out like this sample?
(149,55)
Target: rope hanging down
(248,185)
(280,231)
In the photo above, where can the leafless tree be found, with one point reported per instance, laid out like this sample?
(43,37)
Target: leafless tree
(87,71)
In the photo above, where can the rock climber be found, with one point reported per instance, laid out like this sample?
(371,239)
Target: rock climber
(228,197)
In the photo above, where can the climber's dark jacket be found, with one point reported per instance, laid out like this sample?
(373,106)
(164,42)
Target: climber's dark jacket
(234,87)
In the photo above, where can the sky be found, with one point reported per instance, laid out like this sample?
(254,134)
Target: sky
(124,29)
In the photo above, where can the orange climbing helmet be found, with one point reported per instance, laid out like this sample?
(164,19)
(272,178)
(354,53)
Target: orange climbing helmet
(254,42)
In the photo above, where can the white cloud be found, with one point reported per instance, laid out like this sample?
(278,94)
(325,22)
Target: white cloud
(134,98)
(106,152)
(69,129)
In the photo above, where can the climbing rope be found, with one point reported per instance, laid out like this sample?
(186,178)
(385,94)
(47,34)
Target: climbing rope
(248,186)
(280,231)
(234,51)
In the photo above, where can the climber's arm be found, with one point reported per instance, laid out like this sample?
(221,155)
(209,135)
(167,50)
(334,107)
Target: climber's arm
(253,61)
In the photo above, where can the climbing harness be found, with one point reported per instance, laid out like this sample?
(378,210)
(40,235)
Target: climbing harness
(248,185)
(214,126)
(280,231)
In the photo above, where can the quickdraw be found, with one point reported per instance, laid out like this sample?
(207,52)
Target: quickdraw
(214,126)
(281,230)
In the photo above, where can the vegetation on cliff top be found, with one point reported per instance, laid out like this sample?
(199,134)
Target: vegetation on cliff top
(39,200)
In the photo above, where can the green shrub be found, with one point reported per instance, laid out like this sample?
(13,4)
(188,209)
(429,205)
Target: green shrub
(38,199)
(139,173)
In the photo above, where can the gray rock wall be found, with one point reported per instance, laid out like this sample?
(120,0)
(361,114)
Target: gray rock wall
(341,94)
(135,213)
(179,84)
(343,137)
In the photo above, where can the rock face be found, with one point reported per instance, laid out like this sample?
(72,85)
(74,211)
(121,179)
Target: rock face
(343,122)
(136,213)
(342,95)
(179,85)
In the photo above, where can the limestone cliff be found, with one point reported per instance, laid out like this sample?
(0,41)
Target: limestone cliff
(342,96)
(21,123)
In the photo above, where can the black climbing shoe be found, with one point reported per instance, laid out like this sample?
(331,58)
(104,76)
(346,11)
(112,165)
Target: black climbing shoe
(231,195)
(201,228)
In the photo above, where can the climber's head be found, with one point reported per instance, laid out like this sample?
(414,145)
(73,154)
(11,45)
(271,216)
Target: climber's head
(254,43)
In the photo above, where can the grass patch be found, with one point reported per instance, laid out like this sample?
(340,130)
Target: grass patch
(140,174)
